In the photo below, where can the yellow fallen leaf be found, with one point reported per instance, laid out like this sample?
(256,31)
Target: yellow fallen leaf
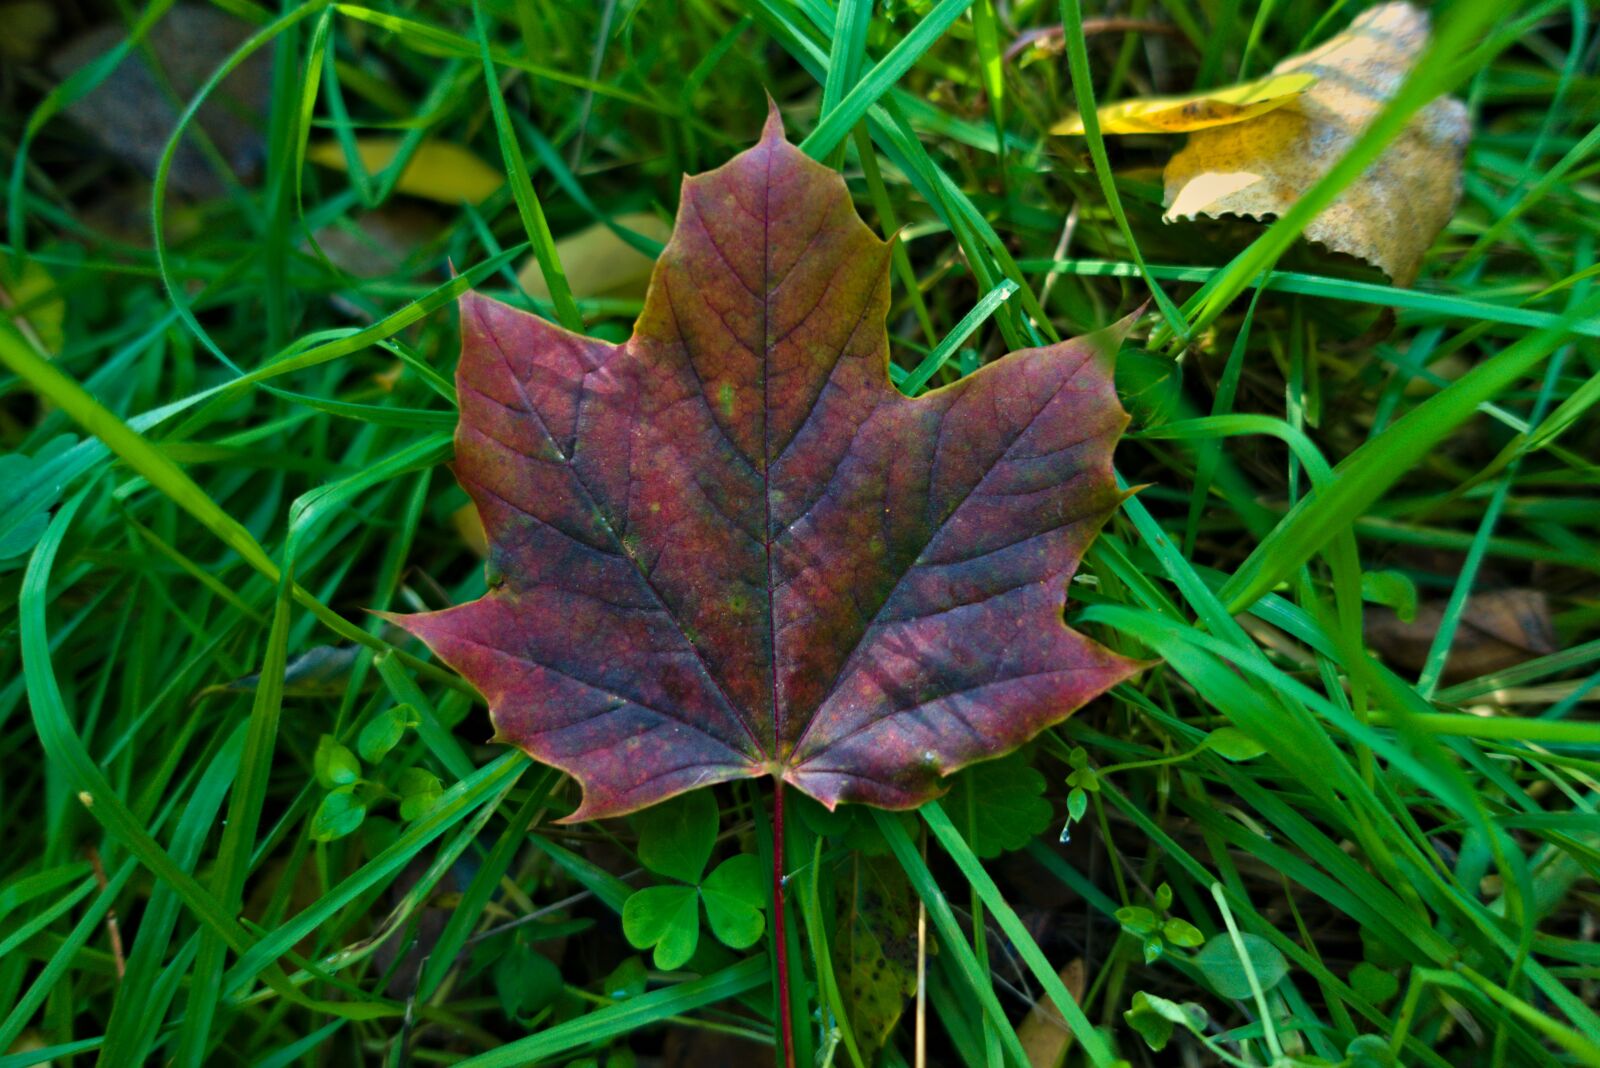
(469,528)
(31,298)
(438,170)
(1388,216)
(1197,111)
(28,23)
(598,263)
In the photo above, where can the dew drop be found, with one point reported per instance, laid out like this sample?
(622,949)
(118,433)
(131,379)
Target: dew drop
(1066,833)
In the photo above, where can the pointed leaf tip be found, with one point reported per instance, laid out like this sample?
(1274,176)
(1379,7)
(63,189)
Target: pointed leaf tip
(772,129)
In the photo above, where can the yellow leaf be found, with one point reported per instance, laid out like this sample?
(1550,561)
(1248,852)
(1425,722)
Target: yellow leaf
(1197,111)
(31,299)
(1387,217)
(598,263)
(28,24)
(469,528)
(438,170)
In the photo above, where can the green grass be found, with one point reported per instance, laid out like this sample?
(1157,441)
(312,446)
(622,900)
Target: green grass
(234,444)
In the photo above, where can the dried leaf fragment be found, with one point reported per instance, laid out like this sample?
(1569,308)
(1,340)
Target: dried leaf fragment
(1196,111)
(1497,629)
(1393,211)
(729,548)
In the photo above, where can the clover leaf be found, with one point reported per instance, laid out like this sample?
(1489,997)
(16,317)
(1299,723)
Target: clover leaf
(675,840)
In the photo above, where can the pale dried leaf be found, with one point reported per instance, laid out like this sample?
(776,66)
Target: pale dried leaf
(1045,1036)
(1497,629)
(598,263)
(1387,217)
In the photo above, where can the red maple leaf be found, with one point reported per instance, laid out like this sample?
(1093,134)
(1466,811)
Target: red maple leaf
(730,547)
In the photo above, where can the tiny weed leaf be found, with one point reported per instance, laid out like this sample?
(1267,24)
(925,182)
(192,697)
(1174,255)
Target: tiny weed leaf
(383,732)
(340,813)
(667,918)
(418,789)
(1219,962)
(333,764)
(675,839)
(730,548)
(626,980)
(29,487)
(1379,952)
(1137,919)
(734,895)
(1373,983)
(1182,933)
(1393,589)
(1154,1028)
(819,819)
(999,805)
(1369,1051)
(1077,804)
(1154,1018)
(525,981)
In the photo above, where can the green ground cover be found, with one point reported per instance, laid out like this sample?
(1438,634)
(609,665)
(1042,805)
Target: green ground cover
(245,821)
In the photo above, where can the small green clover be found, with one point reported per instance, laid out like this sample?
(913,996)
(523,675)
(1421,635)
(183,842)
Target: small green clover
(675,840)
(340,813)
(345,806)
(334,765)
(1084,781)
(350,794)
(526,982)
(384,731)
(419,789)
(29,487)
(1153,1018)
(1155,930)
(734,895)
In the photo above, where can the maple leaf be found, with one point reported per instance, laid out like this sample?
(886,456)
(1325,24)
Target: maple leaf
(730,548)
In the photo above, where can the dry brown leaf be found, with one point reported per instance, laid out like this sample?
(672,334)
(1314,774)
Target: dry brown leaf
(1391,214)
(1497,629)
(1044,1035)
